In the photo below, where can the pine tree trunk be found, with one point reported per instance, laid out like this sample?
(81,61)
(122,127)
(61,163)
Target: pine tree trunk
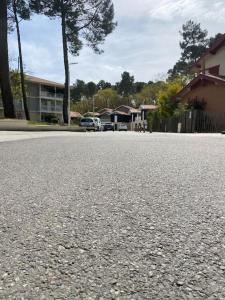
(7,96)
(21,64)
(66,66)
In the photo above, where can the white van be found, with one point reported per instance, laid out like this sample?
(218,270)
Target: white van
(91,123)
(98,124)
(88,123)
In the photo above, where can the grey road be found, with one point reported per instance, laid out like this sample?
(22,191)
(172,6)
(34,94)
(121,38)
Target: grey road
(112,216)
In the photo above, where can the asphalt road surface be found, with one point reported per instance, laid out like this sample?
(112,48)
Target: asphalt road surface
(112,216)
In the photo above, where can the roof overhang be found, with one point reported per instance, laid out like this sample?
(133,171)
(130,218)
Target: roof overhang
(201,78)
(37,80)
(211,51)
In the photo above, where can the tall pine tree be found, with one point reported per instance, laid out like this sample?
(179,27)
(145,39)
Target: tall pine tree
(6,91)
(82,21)
(193,44)
(20,11)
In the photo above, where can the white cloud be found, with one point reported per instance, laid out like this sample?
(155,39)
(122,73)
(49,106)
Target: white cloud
(145,43)
(168,10)
(132,8)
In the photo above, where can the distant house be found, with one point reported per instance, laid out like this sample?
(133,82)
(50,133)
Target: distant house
(125,114)
(75,117)
(209,83)
(91,114)
(105,115)
(121,114)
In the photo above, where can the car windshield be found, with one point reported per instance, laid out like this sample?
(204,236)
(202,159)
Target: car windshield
(86,120)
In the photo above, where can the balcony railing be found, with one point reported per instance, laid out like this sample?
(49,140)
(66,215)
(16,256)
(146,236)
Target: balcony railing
(49,109)
(51,95)
(58,108)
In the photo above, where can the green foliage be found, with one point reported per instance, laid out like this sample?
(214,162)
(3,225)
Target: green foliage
(151,116)
(104,98)
(138,86)
(81,89)
(148,94)
(87,20)
(194,42)
(107,98)
(78,90)
(180,68)
(150,119)
(166,104)
(22,10)
(126,85)
(82,106)
(180,110)
(193,45)
(51,119)
(90,89)
(103,85)
(160,93)
(16,84)
(214,39)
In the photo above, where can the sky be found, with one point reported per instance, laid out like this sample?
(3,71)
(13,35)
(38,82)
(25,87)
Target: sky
(145,42)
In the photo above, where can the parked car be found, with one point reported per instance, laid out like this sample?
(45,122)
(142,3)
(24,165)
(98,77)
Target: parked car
(89,123)
(108,126)
(122,127)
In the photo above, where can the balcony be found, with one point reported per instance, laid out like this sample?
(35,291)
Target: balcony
(45,94)
(51,109)
(58,108)
(47,108)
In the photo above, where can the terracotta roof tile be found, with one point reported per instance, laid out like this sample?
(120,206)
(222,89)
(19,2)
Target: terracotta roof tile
(75,114)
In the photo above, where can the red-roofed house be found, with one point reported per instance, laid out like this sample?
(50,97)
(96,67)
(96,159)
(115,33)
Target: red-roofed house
(75,115)
(121,114)
(105,115)
(125,114)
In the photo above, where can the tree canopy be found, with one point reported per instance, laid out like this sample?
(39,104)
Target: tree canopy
(126,85)
(90,89)
(87,20)
(193,45)
(166,104)
(103,85)
(194,41)
(148,95)
(23,9)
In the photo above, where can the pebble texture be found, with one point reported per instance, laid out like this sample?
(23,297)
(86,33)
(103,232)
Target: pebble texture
(113,216)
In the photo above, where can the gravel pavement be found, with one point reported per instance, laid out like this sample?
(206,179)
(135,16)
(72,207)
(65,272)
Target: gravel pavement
(113,216)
